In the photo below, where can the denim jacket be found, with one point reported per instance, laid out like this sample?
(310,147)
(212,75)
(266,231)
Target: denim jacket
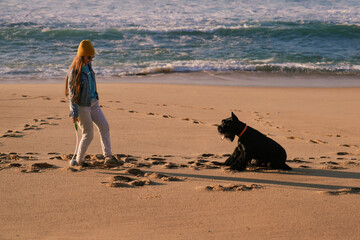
(85,95)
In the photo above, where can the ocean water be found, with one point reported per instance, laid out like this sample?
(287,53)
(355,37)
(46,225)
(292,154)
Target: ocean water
(39,39)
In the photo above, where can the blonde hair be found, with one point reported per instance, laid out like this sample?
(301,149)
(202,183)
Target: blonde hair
(76,69)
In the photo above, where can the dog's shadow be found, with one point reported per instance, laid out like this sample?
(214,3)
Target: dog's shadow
(296,171)
(326,173)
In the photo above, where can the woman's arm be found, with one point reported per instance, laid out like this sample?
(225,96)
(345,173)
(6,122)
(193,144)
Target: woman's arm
(74,107)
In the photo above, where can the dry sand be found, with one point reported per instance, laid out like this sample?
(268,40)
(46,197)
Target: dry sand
(170,183)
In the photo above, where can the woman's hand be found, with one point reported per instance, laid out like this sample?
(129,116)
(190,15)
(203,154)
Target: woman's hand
(74,120)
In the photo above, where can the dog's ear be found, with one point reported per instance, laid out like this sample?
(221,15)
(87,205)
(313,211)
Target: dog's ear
(234,116)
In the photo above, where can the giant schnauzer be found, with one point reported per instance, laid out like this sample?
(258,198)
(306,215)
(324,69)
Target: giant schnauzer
(252,145)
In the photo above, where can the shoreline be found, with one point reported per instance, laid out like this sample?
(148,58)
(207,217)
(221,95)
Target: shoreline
(228,78)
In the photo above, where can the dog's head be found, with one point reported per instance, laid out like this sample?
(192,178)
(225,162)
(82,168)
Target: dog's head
(229,127)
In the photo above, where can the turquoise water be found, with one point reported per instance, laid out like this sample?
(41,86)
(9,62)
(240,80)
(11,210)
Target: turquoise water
(39,38)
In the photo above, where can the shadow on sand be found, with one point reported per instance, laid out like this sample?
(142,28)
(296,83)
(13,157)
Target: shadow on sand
(296,171)
(305,172)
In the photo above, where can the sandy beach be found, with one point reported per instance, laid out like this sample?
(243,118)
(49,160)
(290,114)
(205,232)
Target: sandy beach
(170,184)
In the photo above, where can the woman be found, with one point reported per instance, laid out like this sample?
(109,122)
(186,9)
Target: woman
(80,87)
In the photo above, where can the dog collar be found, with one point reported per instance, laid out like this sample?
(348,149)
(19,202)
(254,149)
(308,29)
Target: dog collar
(243,131)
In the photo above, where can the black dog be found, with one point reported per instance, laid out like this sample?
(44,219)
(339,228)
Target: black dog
(251,145)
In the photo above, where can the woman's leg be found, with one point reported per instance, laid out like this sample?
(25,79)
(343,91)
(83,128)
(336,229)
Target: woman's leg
(87,130)
(100,121)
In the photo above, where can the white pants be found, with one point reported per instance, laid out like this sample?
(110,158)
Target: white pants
(88,116)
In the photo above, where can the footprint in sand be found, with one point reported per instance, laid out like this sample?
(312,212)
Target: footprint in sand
(30,127)
(97,161)
(36,167)
(53,153)
(262,118)
(193,120)
(207,155)
(184,119)
(164,115)
(8,157)
(167,116)
(298,160)
(336,135)
(43,165)
(330,162)
(65,158)
(135,172)
(44,98)
(318,141)
(170,165)
(13,165)
(27,157)
(343,191)
(117,184)
(332,167)
(352,163)
(205,161)
(205,164)
(121,178)
(40,122)
(235,110)
(348,145)
(73,169)
(156,160)
(12,134)
(182,106)
(304,166)
(342,153)
(123,181)
(54,118)
(233,187)
(32,153)
(163,177)
(294,138)
(43,122)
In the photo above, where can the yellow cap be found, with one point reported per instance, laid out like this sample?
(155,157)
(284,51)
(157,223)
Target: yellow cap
(86,48)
